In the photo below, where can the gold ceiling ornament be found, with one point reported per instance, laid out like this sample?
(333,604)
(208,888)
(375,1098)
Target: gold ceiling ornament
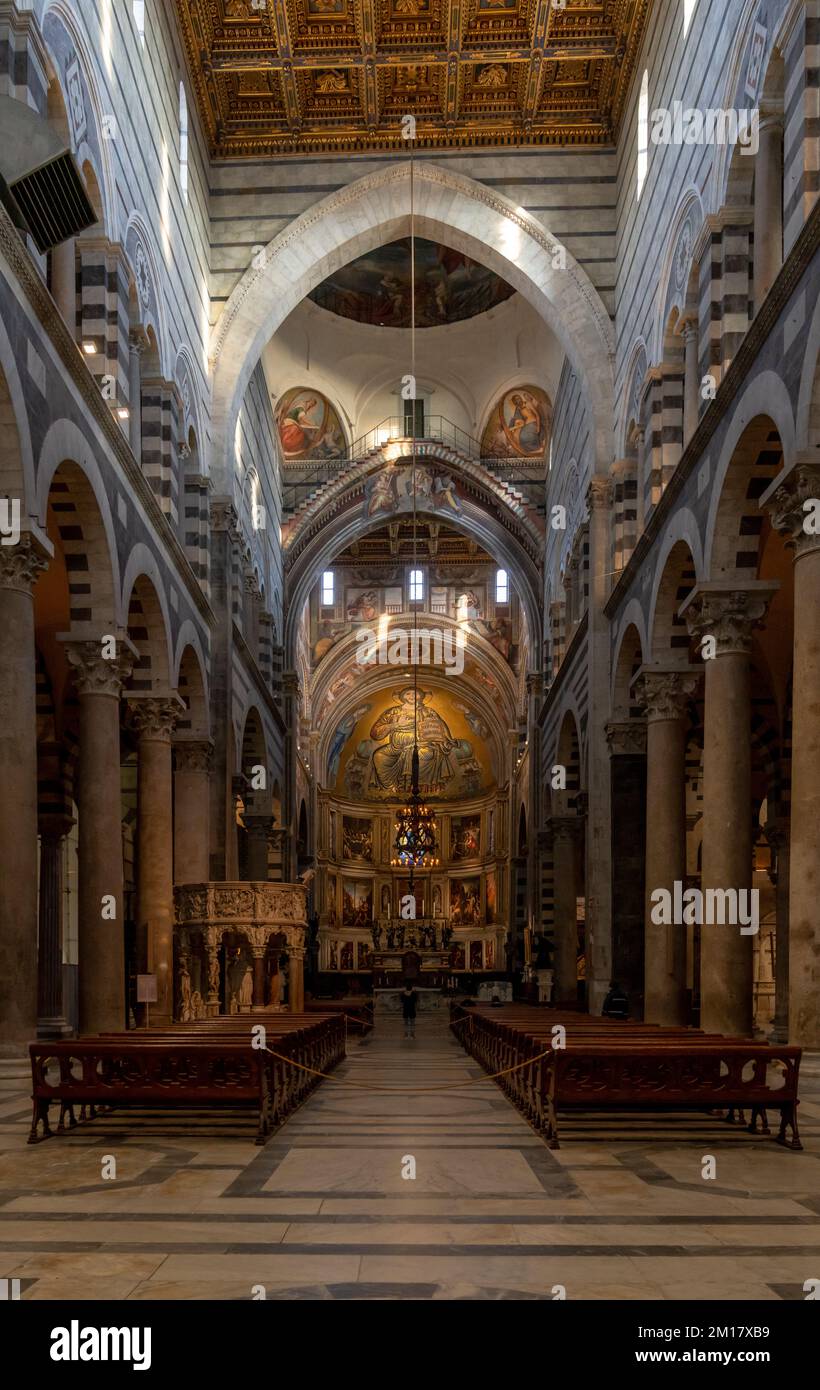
(478,72)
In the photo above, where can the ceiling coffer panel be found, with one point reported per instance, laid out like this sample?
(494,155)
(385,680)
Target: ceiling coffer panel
(290,76)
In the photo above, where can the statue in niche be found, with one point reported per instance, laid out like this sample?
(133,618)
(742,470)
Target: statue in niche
(233,1007)
(185,1006)
(246,989)
(197,1005)
(276,989)
(437,901)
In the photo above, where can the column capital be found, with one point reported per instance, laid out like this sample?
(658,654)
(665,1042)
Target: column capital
(626,736)
(599,492)
(94,672)
(54,825)
(258,826)
(154,716)
(689,328)
(137,341)
(728,611)
(564,829)
(193,754)
(22,564)
(794,506)
(665,691)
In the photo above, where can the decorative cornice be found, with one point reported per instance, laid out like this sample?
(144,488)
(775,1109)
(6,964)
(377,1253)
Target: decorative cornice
(16,256)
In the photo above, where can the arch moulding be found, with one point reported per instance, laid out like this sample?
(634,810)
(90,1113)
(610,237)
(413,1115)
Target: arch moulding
(375,209)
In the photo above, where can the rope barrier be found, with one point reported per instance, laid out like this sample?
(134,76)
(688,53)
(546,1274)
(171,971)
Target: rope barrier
(409,1090)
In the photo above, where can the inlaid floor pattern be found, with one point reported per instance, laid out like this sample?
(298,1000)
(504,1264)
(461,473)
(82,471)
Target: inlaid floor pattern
(326,1210)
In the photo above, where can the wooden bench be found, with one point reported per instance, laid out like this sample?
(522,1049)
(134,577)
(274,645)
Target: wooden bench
(608,1064)
(213,1063)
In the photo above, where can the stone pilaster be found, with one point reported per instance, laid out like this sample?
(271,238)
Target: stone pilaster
(566,835)
(599,818)
(51,1020)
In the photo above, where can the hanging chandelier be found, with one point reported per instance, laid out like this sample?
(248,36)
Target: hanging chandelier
(415,843)
(415,830)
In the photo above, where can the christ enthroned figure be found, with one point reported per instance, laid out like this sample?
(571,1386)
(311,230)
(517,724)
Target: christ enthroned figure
(391,764)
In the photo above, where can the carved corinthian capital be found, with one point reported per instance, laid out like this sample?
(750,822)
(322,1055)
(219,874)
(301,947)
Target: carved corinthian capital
(626,736)
(795,508)
(95,673)
(193,755)
(599,493)
(22,564)
(664,694)
(154,717)
(728,613)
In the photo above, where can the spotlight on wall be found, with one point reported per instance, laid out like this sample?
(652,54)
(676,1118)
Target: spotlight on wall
(89,347)
(41,186)
(123,412)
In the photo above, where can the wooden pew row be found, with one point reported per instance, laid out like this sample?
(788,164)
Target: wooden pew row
(360,1015)
(610,1065)
(186,1065)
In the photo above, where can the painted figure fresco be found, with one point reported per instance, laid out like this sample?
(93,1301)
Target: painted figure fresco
(466,837)
(491,897)
(342,734)
(346,960)
(309,426)
(391,490)
(357,838)
(465,902)
(519,425)
(358,903)
(375,288)
(375,762)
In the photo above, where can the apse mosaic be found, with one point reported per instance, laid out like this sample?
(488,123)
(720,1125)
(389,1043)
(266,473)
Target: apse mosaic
(375,761)
(519,425)
(309,426)
(376,288)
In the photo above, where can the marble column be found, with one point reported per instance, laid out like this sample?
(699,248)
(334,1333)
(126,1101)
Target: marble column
(768,211)
(258,828)
(136,347)
(664,693)
(691,379)
(725,614)
(598,851)
(20,566)
(258,977)
(192,804)
(64,281)
(98,681)
(794,508)
(154,718)
(777,834)
(566,832)
(296,979)
(51,1021)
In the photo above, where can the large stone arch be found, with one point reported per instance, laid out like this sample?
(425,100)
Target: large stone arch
(16,458)
(376,209)
(342,521)
(768,387)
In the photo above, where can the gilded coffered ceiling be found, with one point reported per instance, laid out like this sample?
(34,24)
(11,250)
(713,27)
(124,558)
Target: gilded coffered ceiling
(290,76)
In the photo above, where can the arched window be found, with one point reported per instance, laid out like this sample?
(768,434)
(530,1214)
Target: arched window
(183,141)
(502,587)
(689,7)
(643,132)
(138,8)
(328,589)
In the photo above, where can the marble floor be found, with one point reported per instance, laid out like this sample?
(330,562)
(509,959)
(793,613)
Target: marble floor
(324,1211)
